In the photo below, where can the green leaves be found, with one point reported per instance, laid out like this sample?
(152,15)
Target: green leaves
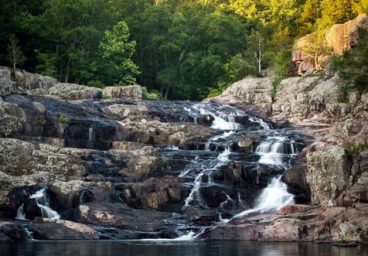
(117,50)
(15,54)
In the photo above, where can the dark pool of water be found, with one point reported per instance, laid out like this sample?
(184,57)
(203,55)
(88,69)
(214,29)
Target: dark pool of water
(108,248)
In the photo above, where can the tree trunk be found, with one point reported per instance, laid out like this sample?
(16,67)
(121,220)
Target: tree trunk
(67,71)
(167,93)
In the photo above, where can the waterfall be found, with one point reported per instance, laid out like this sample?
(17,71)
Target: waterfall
(91,136)
(273,197)
(271,151)
(43,204)
(20,213)
(194,193)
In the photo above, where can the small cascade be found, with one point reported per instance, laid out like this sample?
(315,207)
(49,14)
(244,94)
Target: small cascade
(29,233)
(195,194)
(20,213)
(240,200)
(273,197)
(43,204)
(91,136)
(272,150)
(224,156)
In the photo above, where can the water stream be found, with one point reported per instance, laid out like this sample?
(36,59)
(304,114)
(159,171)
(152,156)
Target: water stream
(43,204)
(276,150)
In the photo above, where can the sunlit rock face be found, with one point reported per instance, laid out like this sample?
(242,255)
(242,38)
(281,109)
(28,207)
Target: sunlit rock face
(339,38)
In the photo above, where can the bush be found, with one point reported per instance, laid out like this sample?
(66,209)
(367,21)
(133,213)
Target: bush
(151,95)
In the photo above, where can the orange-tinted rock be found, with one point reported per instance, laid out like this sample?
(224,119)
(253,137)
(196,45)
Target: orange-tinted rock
(339,38)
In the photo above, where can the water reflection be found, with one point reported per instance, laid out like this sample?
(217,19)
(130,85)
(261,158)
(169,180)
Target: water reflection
(108,248)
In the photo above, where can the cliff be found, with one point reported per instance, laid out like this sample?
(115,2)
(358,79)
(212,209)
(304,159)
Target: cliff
(338,38)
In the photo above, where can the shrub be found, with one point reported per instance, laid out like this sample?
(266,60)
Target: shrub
(151,95)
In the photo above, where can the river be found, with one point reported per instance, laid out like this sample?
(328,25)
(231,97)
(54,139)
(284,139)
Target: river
(139,248)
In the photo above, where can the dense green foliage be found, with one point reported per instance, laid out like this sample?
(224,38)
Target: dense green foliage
(181,49)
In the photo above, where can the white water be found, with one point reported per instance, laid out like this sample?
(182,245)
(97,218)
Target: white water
(20,213)
(222,120)
(271,151)
(172,147)
(43,203)
(272,198)
(190,236)
(194,193)
(223,157)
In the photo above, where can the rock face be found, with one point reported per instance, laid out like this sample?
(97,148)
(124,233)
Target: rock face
(250,91)
(342,37)
(339,38)
(335,179)
(132,91)
(311,103)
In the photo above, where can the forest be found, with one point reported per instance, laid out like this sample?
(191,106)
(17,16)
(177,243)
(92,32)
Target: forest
(176,49)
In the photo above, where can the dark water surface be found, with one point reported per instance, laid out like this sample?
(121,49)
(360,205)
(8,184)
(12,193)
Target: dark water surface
(113,248)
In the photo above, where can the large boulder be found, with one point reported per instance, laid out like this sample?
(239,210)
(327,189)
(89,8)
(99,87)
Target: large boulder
(120,216)
(154,193)
(27,82)
(12,119)
(249,91)
(74,91)
(328,176)
(63,230)
(337,179)
(131,91)
(25,164)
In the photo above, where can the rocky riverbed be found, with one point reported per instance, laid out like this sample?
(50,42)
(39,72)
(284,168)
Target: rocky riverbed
(84,163)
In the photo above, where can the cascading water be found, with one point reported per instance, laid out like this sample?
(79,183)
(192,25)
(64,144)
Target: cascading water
(20,213)
(271,152)
(43,204)
(273,197)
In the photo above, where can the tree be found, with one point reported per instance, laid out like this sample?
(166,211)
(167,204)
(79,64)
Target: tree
(15,55)
(317,47)
(335,11)
(117,50)
(311,12)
